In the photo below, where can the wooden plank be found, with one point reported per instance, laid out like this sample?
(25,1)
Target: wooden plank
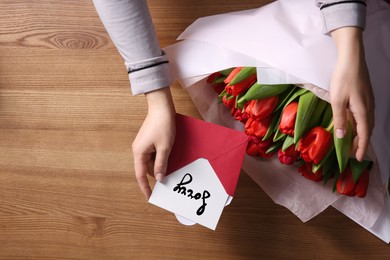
(67,120)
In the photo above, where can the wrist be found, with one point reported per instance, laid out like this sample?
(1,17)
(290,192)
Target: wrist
(160,100)
(349,43)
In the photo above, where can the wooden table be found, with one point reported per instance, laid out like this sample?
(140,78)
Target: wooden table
(67,121)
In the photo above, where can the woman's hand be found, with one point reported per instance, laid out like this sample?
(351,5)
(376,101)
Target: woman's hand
(350,88)
(155,139)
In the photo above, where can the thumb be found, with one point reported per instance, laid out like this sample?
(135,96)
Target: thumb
(161,162)
(340,120)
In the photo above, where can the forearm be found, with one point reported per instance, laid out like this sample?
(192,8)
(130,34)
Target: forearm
(349,43)
(160,101)
(130,27)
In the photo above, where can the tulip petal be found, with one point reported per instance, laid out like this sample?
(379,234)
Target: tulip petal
(345,183)
(315,144)
(288,119)
(242,86)
(362,184)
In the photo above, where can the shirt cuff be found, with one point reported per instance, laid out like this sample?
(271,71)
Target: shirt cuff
(149,75)
(343,15)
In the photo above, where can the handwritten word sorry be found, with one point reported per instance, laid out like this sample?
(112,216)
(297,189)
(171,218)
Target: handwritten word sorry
(187,179)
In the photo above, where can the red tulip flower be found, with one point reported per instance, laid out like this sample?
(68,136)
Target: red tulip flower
(346,185)
(238,115)
(257,127)
(219,87)
(287,120)
(315,144)
(215,80)
(253,146)
(261,108)
(288,156)
(229,102)
(213,77)
(257,147)
(362,184)
(232,74)
(241,86)
(307,172)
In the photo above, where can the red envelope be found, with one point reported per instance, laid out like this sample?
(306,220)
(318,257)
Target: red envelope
(223,147)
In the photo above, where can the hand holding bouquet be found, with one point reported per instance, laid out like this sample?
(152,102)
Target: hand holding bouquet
(296,125)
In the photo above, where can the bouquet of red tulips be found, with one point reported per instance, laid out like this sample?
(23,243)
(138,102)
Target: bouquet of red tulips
(293,123)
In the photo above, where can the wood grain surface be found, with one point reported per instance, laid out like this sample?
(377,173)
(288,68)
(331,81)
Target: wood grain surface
(67,121)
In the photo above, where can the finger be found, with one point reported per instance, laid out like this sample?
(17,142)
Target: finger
(340,120)
(363,130)
(354,146)
(141,169)
(161,162)
(151,167)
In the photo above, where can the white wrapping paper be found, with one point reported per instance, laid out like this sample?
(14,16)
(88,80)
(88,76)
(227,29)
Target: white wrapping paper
(284,40)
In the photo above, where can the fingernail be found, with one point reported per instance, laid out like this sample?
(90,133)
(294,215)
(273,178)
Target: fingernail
(340,133)
(159,176)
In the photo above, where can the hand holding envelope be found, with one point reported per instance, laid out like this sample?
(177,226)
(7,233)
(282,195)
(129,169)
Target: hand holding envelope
(203,170)
(223,147)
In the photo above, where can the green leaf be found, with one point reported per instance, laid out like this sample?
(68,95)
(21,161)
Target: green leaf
(306,105)
(285,96)
(244,73)
(287,142)
(272,127)
(274,147)
(357,168)
(279,135)
(327,115)
(219,79)
(237,98)
(343,146)
(226,72)
(329,154)
(259,91)
(295,95)
(336,177)
(220,96)
(223,93)
(315,119)
(329,167)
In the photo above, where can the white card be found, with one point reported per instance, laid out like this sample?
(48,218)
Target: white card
(193,192)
